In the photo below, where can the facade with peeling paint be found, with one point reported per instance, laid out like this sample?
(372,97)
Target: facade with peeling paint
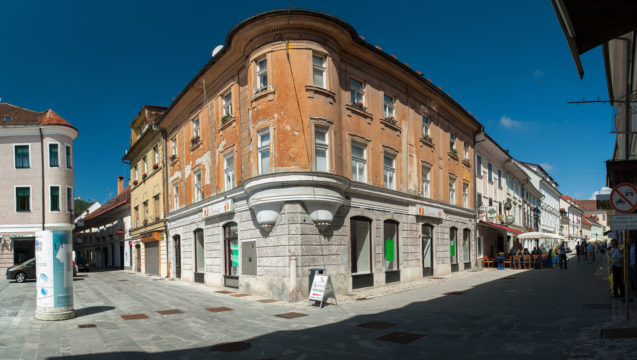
(301,146)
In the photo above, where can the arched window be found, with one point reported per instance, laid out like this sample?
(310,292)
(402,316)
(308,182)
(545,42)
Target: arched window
(200,253)
(231,245)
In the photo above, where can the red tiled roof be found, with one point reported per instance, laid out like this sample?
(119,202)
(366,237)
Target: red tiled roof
(115,202)
(502,227)
(21,116)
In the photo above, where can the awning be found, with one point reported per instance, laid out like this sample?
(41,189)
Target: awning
(539,235)
(589,23)
(501,227)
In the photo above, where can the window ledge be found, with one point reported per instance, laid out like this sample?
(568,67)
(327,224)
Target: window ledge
(195,145)
(358,111)
(466,163)
(263,93)
(427,141)
(391,123)
(225,124)
(311,90)
(453,155)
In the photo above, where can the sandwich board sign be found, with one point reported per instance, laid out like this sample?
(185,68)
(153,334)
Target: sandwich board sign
(623,198)
(322,289)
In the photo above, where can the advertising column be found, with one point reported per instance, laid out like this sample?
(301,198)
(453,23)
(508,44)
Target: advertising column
(54,271)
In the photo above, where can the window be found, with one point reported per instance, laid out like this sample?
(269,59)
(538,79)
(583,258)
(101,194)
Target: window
(490,172)
(425,181)
(318,70)
(135,173)
(479,166)
(145,164)
(228,170)
(508,184)
(452,142)
(357,92)
(145,204)
(69,164)
(195,127)
(69,199)
(232,249)
(156,208)
(603,217)
(389,171)
(54,160)
(452,190)
(197,185)
(156,155)
(200,260)
(453,247)
(390,235)
(466,151)
(136,216)
(427,249)
(466,247)
(54,198)
(21,156)
(360,231)
(426,124)
(465,195)
(358,162)
(500,178)
(226,104)
(22,198)
(262,75)
(175,196)
(321,149)
(264,151)
(388,106)
(173,146)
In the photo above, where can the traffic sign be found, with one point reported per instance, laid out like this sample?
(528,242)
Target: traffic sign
(623,222)
(623,198)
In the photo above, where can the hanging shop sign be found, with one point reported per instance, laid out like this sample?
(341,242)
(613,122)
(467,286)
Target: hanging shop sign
(430,211)
(492,211)
(120,232)
(218,208)
(510,219)
(483,209)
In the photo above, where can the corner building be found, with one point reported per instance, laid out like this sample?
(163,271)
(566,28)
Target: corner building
(299,146)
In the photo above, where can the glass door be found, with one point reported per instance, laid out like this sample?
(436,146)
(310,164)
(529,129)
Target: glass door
(427,250)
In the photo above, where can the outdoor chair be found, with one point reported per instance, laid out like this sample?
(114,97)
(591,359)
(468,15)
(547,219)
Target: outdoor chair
(508,261)
(486,261)
(526,259)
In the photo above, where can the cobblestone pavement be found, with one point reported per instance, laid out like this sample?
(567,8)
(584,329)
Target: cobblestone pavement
(484,314)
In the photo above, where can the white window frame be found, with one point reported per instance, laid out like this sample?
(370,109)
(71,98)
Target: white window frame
(15,198)
(228,170)
(68,159)
(452,142)
(14,153)
(389,172)
(145,161)
(69,205)
(196,182)
(48,150)
(466,151)
(262,149)
(59,200)
(260,72)
(426,124)
(135,173)
(196,131)
(175,196)
(465,194)
(319,69)
(425,174)
(174,146)
(359,161)
(490,172)
(156,154)
(499,178)
(226,103)
(452,190)
(325,146)
(389,107)
(357,95)
(146,212)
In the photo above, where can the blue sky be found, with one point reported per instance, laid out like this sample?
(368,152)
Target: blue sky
(97,63)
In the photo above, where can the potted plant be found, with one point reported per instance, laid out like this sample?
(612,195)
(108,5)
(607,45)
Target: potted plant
(359,105)
(173,156)
(225,118)
(144,175)
(454,151)
(428,138)
(194,140)
(155,166)
(135,182)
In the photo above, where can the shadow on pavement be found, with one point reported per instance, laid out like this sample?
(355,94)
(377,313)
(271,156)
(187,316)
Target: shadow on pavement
(92,310)
(532,314)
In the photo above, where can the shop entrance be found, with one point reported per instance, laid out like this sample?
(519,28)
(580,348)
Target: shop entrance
(151,250)
(177,242)
(231,240)
(138,258)
(23,250)
(427,250)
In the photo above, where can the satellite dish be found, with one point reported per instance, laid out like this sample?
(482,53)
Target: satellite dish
(216,50)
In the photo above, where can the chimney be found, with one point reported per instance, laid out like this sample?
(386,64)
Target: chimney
(120,184)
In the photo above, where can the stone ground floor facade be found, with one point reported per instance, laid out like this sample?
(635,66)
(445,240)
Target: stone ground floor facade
(373,238)
(148,253)
(16,248)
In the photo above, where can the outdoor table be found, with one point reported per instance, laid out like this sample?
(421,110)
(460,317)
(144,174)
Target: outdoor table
(500,262)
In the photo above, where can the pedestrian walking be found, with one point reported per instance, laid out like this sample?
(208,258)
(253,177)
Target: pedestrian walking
(585,250)
(563,261)
(616,261)
(578,251)
(591,252)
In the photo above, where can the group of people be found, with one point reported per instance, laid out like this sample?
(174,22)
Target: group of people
(586,250)
(518,250)
(617,264)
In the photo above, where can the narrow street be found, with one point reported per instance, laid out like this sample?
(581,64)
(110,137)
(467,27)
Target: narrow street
(488,314)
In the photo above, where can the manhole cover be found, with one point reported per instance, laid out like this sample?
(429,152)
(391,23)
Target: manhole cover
(291,315)
(267,301)
(602,306)
(170,312)
(218,309)
(239,295)
(224,292)
(85,326)
(231,346)
(618,333)
(400,337)
(134,316)
(377,325)
(454,293)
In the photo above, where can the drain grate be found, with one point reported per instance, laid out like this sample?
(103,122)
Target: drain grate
(239,295)
(219,309)
(231,346)
(602,306)
(170,312)
(377,325)
(134,316)
(453,293)
(618,333)
(267,301)
(291,315)
(400,337)
(224,292)
(86,326)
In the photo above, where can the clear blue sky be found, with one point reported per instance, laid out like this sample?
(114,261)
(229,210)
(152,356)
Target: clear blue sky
(97,63)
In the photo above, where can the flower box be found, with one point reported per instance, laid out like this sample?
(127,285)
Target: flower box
(428,139)
(155,166)
(194,140)
(359,106)
(173,156)
(144,175)
(135,182)
(225,118)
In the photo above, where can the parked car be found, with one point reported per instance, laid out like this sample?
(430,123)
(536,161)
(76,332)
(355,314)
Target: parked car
(82,264)
(22,272)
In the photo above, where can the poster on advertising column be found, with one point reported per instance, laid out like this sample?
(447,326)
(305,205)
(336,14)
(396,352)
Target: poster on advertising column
(54,267)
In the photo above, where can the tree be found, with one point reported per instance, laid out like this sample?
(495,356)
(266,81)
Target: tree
(80,206)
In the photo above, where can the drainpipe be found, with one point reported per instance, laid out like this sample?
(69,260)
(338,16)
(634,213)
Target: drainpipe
(42,165)
(475,189)
(164,137)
